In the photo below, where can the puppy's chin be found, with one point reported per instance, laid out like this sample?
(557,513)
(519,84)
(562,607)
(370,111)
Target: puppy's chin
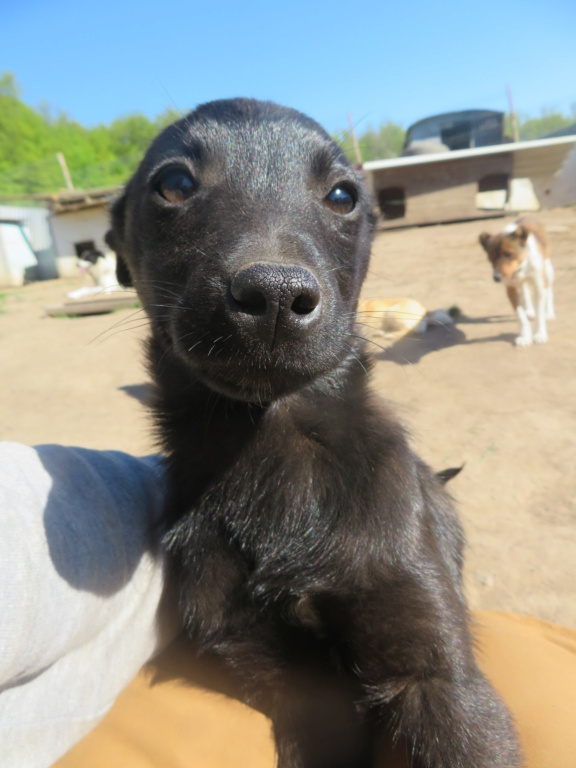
(261,389)
(246,394)
(258,375)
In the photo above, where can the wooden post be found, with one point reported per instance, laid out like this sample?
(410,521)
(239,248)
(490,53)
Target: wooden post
(513,120)
(64,168)
(354,140)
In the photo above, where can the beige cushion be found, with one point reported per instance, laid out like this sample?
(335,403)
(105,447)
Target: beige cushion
(165,720)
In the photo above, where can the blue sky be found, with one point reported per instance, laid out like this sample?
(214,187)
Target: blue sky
(379,60)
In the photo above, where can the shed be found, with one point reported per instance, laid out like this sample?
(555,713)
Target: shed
(16,254)
(35,230)
(472,183)
(79,221)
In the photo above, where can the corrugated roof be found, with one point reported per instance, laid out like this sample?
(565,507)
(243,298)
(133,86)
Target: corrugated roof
(541,161)
(76,200)
(546,152)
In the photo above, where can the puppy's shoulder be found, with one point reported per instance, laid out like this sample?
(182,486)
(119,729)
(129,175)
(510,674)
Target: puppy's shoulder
(534,227)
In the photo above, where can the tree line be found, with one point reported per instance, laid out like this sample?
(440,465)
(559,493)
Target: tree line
(101,156)
(106,155)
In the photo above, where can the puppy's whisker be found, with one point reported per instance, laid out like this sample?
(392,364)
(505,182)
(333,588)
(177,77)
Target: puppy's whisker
(355,356)
(165,293)
(222,345)
(133,315)
(165,306)
(370,341)
(387,312)
(169,348)
(213,345)
(155,282)
(123,330)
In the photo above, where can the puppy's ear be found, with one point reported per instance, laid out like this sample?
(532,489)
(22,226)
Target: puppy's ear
(447,474)
(484,239)
(521,233)
(114,238)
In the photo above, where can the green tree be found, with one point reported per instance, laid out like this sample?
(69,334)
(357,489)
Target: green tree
(374,143)
(550,120)
(25,165)
(9,85)
(98,156)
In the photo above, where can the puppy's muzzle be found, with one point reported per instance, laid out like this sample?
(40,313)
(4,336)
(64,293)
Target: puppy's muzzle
(497,278)
(276,302)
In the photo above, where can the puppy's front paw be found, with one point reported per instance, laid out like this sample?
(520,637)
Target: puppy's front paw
(541,337)
(523,341)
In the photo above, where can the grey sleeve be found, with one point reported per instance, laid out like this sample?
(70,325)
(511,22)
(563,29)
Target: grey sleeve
(82,582)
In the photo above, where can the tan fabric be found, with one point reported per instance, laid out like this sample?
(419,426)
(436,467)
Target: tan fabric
(160,721)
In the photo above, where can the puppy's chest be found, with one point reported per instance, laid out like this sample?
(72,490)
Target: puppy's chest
(288,492)
(273,502)
(532,265)
(284,498)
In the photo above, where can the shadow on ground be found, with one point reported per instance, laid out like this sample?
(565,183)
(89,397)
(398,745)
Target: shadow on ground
(409,350)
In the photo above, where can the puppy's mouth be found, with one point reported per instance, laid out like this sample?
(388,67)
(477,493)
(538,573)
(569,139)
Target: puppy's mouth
(250,369)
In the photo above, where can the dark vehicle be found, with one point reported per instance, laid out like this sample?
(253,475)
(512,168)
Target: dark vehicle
(455,130)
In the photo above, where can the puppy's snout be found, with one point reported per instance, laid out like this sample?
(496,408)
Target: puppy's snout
(278,297)
(497,278)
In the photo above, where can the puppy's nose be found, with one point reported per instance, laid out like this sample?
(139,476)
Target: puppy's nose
(496,278)
(280,298)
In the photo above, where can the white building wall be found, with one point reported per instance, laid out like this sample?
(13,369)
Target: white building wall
(79,226)
(561,189)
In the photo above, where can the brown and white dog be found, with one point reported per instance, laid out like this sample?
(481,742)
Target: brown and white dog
(520,258)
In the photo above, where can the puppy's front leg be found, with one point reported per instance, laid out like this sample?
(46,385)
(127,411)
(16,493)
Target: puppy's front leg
(315,722)
(317,726)
(549,281)
(541,333)
(524,338)
(416,664)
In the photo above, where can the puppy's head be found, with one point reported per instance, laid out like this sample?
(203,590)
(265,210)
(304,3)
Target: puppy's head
(247,233)
(88,260)
(506,251)
(90,256)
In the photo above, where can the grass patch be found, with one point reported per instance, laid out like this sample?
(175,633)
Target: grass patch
(136,305)
(491,448)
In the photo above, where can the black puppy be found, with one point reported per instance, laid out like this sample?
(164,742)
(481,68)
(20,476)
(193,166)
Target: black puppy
(315,552)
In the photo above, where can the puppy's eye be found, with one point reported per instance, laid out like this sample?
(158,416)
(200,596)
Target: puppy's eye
(176,186)
(341,199)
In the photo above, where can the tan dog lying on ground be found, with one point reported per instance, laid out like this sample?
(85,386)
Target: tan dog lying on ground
(520,258)
(396,317)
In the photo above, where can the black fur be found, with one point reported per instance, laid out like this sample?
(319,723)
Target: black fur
(315,552)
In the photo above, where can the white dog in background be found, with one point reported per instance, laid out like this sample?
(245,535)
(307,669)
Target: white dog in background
(102,269)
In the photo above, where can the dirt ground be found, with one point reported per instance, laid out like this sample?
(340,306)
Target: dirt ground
(465,392)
